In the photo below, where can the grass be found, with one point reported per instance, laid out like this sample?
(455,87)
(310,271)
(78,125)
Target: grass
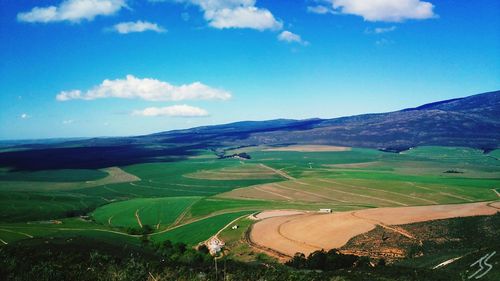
(71,227)
(198,231)
(114,175)
(156,212)
(374,178)
(68,175)
(495,153)
(214,190)
(30,206)
(242,171)
(235,243)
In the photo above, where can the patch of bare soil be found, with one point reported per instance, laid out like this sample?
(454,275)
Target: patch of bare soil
(275,213)
(313,231)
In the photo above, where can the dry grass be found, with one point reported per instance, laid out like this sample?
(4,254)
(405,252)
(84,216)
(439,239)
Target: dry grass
(310,148)
(241,172)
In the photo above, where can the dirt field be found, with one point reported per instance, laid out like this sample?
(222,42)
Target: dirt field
(313,231)
(116,175)
(275,213)
(242,172)
(310,148)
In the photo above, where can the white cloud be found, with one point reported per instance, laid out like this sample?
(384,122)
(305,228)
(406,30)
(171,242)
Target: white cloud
(319,9)
(172,111)
(236,14)
(138,26)
(68,122)
(291,37)
(25,116)
(73,11)
(243,17)
(147,89)
(380,30)
(385,10)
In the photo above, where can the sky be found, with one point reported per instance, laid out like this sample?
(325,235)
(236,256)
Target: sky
(86,68)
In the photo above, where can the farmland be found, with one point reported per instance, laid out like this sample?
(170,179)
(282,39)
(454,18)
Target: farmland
(157,212)
(191,199)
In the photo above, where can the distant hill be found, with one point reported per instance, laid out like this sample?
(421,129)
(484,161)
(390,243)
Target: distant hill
(472,121)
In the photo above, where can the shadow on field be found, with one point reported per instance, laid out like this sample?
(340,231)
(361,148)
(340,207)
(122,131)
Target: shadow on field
(92,157)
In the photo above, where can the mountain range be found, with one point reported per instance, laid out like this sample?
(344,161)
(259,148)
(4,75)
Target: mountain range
(472,121)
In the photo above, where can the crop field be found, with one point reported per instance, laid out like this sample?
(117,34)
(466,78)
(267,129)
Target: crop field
(198,231)
(190,199)
(155,212)
(366,192)
(58,181)
(241,172)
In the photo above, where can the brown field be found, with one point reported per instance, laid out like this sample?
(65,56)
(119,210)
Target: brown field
(275,213)
(313,231)
(241,172)
(310,148)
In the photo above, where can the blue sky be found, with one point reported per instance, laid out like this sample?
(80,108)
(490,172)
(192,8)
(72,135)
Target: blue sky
(80,68)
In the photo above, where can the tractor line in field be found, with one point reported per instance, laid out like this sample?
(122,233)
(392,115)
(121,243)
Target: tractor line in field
(310,193)
(365,196)
(278,172)
(380,190)
(17,232)
(138,218)
(442,192)
(274,193)
(496,191)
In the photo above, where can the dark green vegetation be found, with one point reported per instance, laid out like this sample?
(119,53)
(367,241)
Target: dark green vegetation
(67,175)
(329,261)
(89,259)
(433,241)
(129,195)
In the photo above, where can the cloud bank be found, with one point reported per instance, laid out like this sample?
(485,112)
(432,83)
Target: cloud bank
(172,111)
(147,89)
(72,11)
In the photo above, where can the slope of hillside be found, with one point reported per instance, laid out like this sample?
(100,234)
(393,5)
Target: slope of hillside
(472,121)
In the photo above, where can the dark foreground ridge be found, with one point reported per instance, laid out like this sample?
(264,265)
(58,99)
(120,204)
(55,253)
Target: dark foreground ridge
(472,121)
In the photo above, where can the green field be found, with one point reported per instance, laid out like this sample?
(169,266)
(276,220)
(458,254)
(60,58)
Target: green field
(191,199)
(156,212)
(198,231)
